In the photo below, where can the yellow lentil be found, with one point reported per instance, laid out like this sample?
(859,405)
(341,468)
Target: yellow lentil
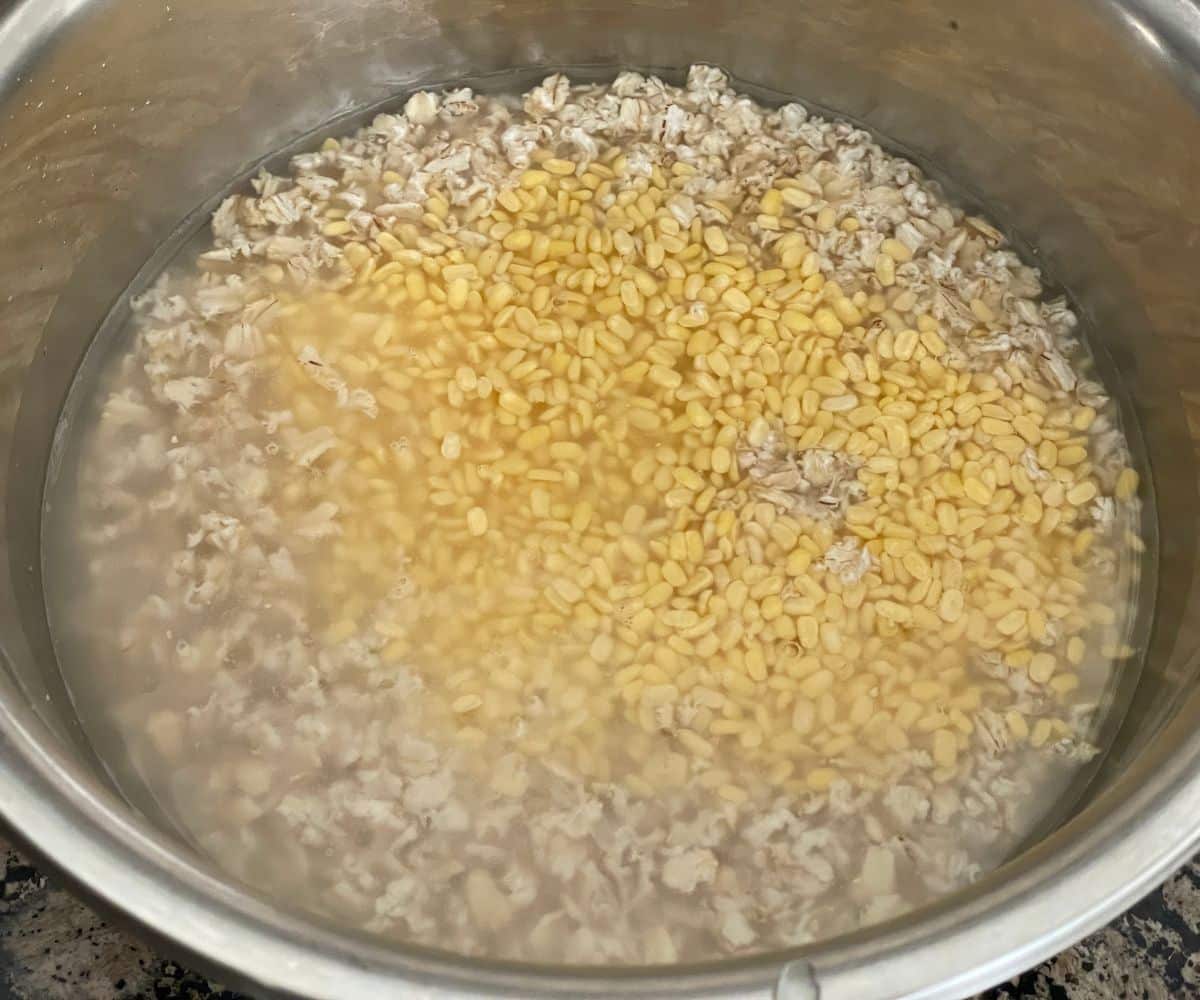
(558,465)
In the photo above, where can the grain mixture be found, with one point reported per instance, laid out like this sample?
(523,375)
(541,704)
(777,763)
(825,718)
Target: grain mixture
(619,524)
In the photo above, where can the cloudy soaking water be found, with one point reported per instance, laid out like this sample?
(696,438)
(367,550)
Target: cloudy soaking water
(619,523)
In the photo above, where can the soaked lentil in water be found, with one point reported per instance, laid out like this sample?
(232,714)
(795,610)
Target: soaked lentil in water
(619,524)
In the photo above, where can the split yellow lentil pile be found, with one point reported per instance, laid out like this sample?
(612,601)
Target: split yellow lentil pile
(547,496)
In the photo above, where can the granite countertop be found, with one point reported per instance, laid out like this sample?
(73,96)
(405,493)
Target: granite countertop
(55,948)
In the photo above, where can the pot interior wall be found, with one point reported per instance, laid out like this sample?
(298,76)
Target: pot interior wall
(1078,135)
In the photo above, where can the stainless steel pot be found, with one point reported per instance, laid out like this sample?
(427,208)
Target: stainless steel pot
(1077,121)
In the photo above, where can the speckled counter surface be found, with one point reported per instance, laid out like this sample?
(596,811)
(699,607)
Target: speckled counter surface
(54,948)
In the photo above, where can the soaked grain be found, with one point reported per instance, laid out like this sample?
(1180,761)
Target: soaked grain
(610,526)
